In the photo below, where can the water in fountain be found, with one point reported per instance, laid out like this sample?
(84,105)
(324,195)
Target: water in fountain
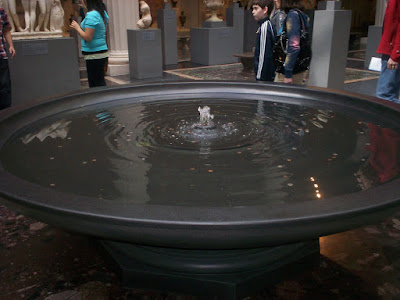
(206,119)
(250,153)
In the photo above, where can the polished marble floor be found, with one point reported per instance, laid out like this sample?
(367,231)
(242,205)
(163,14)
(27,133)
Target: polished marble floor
(357,79)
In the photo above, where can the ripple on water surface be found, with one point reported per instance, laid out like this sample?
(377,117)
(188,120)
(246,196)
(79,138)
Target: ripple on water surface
(257,152)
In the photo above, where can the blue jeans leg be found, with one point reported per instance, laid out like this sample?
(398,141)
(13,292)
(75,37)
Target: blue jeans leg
(388,87)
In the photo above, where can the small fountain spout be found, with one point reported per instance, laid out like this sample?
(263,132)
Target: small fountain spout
(205,118)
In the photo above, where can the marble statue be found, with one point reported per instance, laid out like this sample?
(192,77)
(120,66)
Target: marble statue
(56,16)
(146,19)
(49,5)
(213,5)
(30,14)
(11,9)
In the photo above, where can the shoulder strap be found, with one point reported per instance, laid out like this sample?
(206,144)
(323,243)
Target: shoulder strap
(272,30)
(299,12)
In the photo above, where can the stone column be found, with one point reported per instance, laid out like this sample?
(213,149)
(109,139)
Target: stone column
(380,11)
(124,15)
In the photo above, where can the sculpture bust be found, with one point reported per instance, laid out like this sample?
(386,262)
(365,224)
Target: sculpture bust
(213,5)
(146,19)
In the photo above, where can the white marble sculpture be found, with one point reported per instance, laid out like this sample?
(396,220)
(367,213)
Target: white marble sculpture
(146,19)
(30,14)
(213,5)
(46,24)
(56,16)
(11,9)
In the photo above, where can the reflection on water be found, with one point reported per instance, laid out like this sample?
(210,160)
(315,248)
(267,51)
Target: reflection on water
(383,163)
(257,153)
(58,129)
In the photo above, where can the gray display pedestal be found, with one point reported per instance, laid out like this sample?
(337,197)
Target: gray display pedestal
(145,55)
(212,46)
(43,68)
(329,5)
(167,23)
(235,19)
(329,47)
(374,37)
(250,29)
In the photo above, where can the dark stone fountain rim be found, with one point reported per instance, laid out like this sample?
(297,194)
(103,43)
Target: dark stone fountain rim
(197,227)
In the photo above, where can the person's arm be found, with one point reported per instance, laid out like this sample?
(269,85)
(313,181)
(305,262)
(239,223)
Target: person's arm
(281,18)
(293,27)
(7,36)
(87,35)
(393,62)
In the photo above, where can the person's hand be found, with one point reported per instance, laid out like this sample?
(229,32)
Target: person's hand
(288,80)
(392,65)
(12,51)
(74,25)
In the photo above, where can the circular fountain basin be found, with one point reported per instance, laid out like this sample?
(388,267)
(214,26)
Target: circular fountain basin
(283,164)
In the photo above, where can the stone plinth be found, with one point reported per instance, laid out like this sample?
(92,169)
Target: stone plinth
(374,37)
(167,24)
(329,47)
(212,46)
(43,68)
(145,54)
(250,29)
(329,5)
(235,19)
(211,24)
(36,35)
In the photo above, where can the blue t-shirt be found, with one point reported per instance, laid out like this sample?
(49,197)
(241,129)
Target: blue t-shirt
(94,21)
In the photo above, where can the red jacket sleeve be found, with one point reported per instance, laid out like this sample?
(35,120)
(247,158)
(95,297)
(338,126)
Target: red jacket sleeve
(395,55)
(390,41)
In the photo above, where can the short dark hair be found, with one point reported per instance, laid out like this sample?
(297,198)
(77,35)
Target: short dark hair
(287,5)
(264,3)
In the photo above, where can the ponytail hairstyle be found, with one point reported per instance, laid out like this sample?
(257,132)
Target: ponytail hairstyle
(98,6)
(287,5)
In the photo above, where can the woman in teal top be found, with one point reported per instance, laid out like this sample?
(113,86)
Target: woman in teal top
(94,43)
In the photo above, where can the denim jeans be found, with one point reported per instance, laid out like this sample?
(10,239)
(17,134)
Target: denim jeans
(5,84)
(388,87)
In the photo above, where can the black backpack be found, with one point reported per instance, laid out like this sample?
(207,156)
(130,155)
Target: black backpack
(281,46)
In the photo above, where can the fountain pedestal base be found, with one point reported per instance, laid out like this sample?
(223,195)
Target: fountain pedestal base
(228,274)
